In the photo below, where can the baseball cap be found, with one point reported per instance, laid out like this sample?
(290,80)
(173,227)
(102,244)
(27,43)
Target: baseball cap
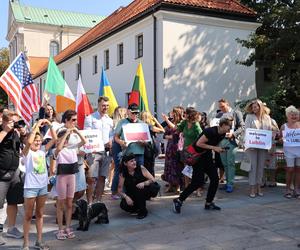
(133,108)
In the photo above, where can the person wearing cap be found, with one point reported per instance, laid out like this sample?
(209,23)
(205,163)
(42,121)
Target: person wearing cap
(99,161)
(136,148)
(230,141)
(139,184)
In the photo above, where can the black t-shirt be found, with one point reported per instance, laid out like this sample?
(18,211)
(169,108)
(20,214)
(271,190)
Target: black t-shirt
(131,181)
(10,151)
(213,137)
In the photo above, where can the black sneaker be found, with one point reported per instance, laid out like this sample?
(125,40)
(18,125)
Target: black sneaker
(142,215)
(177,206)
(211,206)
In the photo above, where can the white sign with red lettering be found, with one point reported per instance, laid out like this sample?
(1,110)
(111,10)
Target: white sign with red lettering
(94,141)
(257,138)
(134,132)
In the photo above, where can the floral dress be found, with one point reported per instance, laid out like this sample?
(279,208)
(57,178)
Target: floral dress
(173,167)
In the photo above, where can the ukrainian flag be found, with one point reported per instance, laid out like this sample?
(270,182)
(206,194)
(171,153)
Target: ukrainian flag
(106,90)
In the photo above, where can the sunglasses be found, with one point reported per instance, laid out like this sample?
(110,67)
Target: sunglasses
(74,119)
(135,113)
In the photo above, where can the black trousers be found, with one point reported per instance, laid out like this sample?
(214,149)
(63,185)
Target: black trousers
(139,197)
(203,166)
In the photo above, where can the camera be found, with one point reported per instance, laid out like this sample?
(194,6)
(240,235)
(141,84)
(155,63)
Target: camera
(19,124)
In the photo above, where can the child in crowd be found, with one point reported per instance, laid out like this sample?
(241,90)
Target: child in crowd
(36,181)
(67,165)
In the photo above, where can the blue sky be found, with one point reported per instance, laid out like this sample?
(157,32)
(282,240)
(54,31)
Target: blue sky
(98,7)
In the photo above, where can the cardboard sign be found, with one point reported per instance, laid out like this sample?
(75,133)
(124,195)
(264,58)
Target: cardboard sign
(257,138)
(94,141)
(291,138)
(134,132)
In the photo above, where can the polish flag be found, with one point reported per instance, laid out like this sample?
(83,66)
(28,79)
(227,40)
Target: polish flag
(83,106)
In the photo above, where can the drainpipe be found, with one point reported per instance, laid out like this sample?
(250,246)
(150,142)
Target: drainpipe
(155,62)
(60,38)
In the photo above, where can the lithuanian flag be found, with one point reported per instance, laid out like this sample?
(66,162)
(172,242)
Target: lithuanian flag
(138,93)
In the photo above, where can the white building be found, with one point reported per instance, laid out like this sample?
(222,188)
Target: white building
(188,50)
(41,32)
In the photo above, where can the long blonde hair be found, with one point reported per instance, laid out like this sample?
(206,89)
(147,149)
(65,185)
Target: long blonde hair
(119,114)
(147,117)
(263,109)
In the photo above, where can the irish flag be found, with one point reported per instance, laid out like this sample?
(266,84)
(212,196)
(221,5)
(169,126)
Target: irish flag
(83,106)
(56,85)
(138,93)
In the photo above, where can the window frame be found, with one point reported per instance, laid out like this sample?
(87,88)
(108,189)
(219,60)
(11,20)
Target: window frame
(106,59)
(120,54)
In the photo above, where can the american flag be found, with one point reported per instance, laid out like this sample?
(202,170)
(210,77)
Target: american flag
(18,85)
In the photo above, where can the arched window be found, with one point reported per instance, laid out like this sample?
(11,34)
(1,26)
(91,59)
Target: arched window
(54,48)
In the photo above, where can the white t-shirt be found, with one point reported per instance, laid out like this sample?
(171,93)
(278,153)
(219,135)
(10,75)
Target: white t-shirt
(36,171)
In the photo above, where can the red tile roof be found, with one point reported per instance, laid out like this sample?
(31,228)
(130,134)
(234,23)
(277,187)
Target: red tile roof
(136,9)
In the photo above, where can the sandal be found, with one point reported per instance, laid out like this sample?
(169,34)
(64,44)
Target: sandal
(252,195)
(288,195)
(61,235)
(69,233)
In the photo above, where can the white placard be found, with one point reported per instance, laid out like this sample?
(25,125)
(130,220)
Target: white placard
(188,171)
(94,141)
(136,132)
(215,122)
(291,138)
(257,138)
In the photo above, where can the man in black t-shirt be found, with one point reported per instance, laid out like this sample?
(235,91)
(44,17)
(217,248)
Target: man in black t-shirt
(207,142)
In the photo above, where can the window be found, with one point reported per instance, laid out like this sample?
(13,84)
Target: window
(54,48)
(95,64)
(139,46)
(106,59)
(77,71)
(120,53)
(63,74)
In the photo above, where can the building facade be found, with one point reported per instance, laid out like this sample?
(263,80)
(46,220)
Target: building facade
(188,51)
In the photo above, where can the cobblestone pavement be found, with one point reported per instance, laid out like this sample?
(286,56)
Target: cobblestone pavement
(269,222)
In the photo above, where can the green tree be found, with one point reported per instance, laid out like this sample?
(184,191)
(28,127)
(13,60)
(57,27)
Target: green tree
(4,63)
(276,43)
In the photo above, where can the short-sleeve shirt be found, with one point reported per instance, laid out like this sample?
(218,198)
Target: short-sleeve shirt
(190,134)
(36,170)
(214,138)
(134,147)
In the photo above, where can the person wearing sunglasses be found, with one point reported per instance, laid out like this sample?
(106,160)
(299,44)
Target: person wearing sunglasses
(136,148)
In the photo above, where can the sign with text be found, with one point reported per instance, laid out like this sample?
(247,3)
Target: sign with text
(291,138)
(134,132)
(257,138)
(94,141)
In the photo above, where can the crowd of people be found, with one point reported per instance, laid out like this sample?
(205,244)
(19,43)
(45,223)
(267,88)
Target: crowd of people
(48,158)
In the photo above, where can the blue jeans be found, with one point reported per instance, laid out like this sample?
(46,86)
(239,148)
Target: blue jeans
(116,154)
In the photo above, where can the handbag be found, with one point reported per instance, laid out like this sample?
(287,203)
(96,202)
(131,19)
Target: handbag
(245,164)
(190,156)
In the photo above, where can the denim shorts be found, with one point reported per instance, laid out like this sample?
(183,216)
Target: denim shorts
(35,192)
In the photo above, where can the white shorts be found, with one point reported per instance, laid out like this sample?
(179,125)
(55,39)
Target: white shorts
(292,162)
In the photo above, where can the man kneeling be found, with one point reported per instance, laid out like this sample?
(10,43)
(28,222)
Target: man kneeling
(139,186)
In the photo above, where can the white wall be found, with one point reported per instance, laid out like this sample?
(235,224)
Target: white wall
(122,76)
(199,55)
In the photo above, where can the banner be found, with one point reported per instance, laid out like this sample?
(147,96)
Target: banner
(94,141)
(291,138)
(257,138)
(136,132)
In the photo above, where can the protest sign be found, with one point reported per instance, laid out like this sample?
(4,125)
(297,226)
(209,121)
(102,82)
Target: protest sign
(94,141)
(291,138)
(257,138)
(136,132)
